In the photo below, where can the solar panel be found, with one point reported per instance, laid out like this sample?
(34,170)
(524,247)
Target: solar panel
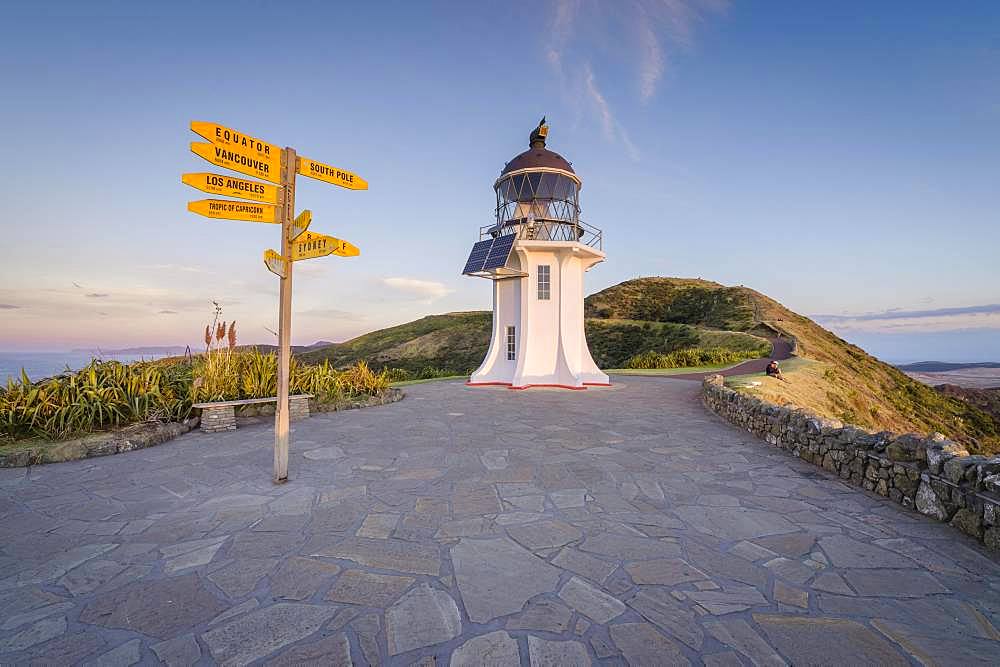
(478,256)
(500,251)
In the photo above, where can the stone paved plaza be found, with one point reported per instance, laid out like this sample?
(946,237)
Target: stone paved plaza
(483,526)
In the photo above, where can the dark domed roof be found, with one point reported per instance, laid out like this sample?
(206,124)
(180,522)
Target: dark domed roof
(538,157)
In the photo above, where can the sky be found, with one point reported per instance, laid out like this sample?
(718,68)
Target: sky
(842,158)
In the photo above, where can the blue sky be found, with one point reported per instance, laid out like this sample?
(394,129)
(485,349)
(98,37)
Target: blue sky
(842,159)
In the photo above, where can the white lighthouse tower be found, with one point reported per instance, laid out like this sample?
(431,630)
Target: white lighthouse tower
(536,255)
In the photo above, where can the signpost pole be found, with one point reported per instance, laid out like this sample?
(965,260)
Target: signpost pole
(281,421)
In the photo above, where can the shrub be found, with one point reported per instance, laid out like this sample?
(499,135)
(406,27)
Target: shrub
(104,394)
(690,357)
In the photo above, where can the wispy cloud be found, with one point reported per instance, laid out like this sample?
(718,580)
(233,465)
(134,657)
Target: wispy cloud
(8,306)
(426,289)
(331,313)
(167,312)
(611,127)
(580,30)
(97,295)
(896,320)
(182,268)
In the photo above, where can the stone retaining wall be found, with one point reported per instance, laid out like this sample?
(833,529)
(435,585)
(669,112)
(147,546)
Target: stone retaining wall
(932,475)
(135,436)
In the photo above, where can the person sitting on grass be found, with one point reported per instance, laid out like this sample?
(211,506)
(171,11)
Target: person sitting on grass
(775,372)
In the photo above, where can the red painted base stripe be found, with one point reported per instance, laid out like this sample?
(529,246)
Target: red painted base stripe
(529,386)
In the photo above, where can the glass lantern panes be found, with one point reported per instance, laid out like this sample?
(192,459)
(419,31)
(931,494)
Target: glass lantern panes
(539,195)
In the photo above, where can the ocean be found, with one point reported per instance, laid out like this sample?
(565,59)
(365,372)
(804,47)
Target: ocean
(39,365)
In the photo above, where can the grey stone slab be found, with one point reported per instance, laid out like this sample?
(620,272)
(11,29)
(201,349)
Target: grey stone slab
(264,631)
(57,566)
(497,576)
(324,453)
(590,600)
(542,614)
(547,534)
(641,644)
(332,651)
(196,558)
(181,651)
(497,649)
(158,608)
(814,641)
(69,649)
(725,565)
(368,589)
(585,565)
(17,620)
(624,547)
(844,605)
(42,631)
(125,655)
(831,583)
(937,648)
(422,617)
(792,545)
(90,575)
(789,595)
(388,555)
(299,578)
(894,583)
(250,544)
(737,634)
(243,608)
(734,523)
(723,659)
(468,527)
(568,498)
(664,571)
(242,575)
(378,525)
(790,570)
(729,599)
(847,552)
(544,653)
(658,607)
(20,600)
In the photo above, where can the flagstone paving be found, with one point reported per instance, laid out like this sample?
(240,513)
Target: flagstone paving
(483,526)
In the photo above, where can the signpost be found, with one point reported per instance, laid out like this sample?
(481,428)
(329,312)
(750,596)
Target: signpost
(230,186)
(310,245)
(274,204)
(234,210)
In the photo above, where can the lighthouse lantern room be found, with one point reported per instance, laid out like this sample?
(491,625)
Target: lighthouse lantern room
(536,254)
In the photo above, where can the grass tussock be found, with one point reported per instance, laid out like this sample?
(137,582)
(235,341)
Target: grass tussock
(694,357)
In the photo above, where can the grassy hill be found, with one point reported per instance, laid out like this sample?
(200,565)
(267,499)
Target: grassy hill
(834,378)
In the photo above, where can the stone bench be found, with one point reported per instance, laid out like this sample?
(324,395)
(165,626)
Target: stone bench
(221,415)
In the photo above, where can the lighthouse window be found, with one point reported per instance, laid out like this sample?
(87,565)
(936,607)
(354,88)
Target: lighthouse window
(544,282)
(511,344)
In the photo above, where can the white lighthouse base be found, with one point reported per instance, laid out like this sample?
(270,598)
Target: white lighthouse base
(541,342)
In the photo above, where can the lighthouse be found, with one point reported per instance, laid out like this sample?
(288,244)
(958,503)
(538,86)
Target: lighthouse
(535,254)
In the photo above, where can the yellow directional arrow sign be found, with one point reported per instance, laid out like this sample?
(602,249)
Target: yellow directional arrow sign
(230,186)
(275,263)
(236,140)
(301,224)
(234,210)
(325,172)
(310,245)
(244,162)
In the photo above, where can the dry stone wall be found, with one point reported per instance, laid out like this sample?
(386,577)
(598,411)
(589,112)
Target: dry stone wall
(932,475)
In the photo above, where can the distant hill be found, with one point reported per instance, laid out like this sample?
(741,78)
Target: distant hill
(942,366)
(457,342)
(835,379)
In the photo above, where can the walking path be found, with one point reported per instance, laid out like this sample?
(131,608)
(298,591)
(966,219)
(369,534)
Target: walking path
(483,525)
(781,350)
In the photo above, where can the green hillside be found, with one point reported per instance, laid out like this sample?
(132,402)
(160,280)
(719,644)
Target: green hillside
(843,382)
